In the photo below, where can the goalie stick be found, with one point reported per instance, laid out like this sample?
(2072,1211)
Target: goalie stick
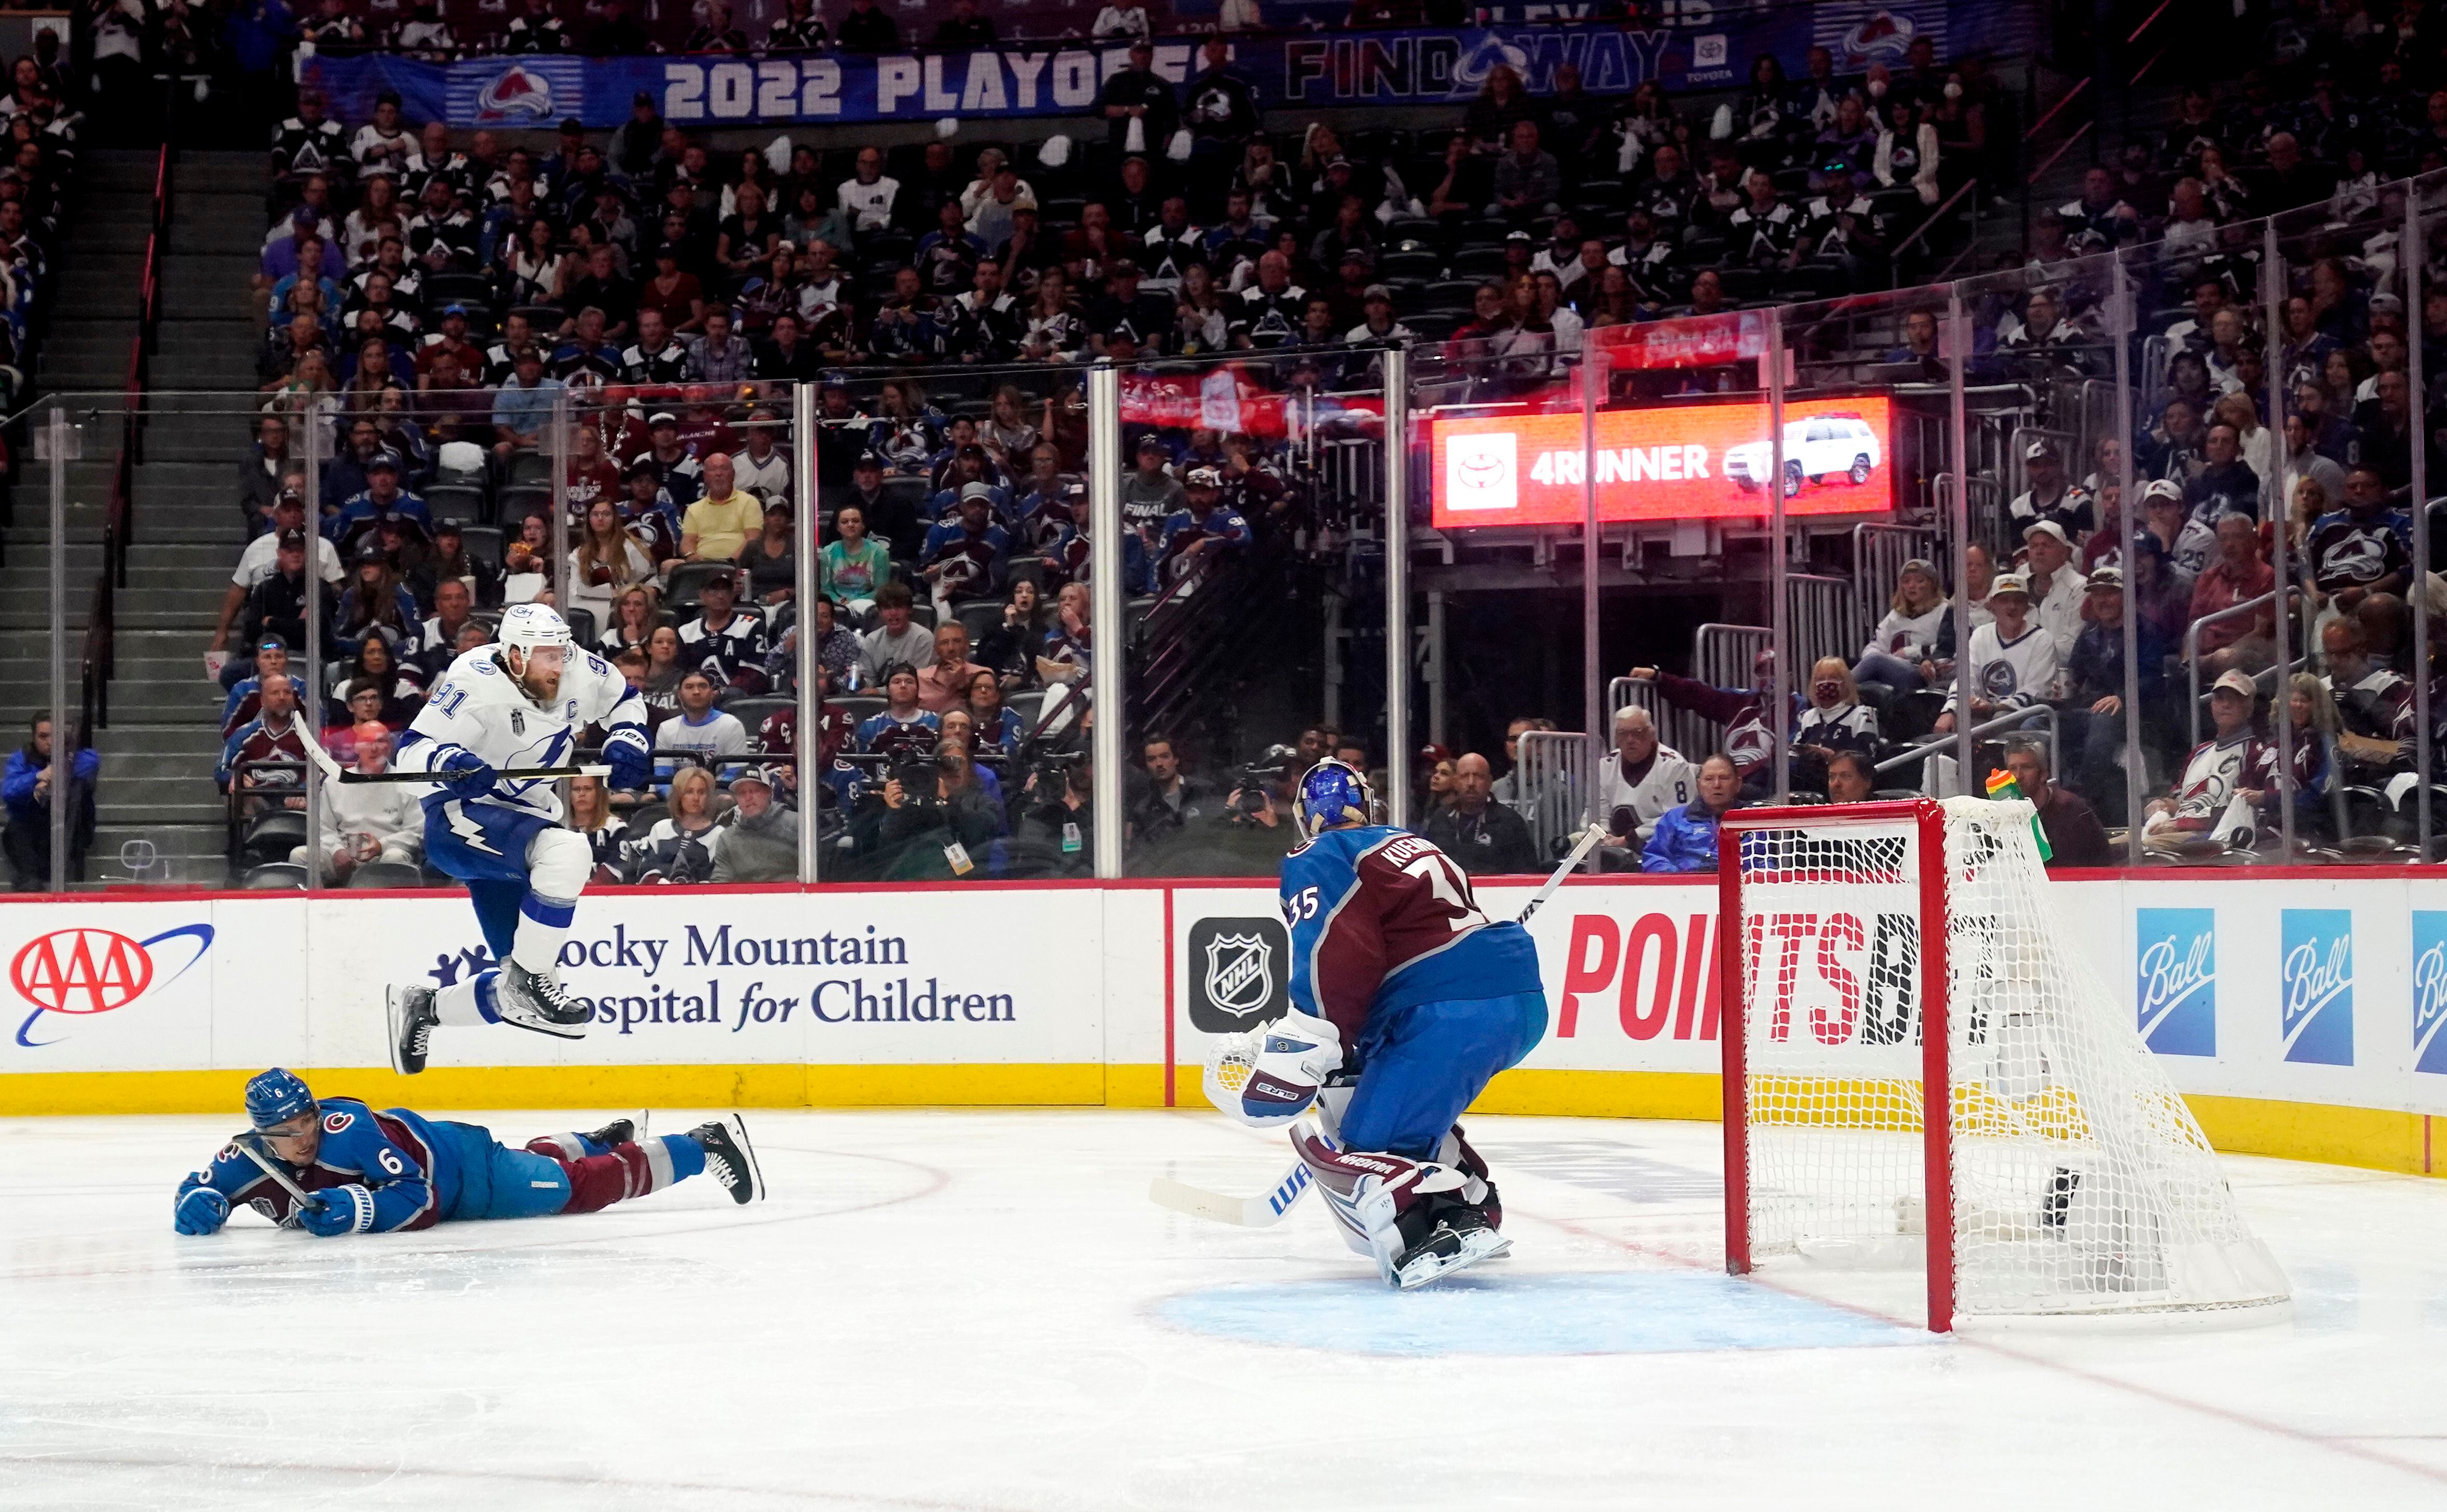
(246,1144)
(1267,1209)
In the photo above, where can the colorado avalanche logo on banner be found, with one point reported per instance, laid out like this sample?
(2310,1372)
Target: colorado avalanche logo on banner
(1482,57)
(73,973)
(1860,35)
(530,90)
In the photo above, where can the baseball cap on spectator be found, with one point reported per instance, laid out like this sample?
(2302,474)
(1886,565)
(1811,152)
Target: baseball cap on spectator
(1375,291)
(756,774)
(290,496)
(1432,754)
(2233,681)
(2047,527)
(1520,235)
(662,417)
(454,308)
(1359,255)
(2384,303)
(2009,583)
(368,550)
(1151,441)
(446,527)
(1022,202)
(383,461)
(268,641)
(1203,477)
(833,378)
(2110,576)
(2162,488)
(868,461)
(2039,450)
(1921,564)
(969,491)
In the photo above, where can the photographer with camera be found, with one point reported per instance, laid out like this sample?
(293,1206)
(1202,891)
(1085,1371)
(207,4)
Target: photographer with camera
(925,824)
(1252,832)
(1057,808)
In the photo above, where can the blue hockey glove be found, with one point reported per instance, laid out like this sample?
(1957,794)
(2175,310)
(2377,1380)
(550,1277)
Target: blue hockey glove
(345,1210)
(631,768)
(463,771)
(198,1209)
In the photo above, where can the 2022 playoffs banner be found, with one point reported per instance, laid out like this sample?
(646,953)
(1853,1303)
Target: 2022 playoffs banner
(1707,48)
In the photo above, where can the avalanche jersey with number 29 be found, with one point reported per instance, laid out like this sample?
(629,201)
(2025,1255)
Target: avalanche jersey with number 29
(481,707)
(1383,921)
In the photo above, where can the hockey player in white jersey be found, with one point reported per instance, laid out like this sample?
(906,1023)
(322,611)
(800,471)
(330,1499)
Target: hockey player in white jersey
(517,704)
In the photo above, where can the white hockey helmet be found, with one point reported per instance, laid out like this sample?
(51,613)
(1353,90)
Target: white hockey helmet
(526,626)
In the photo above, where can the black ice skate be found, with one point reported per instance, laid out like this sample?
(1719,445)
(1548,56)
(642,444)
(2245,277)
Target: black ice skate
(408,1012)
(621,1130)
(1461,1239)
(729,1158)
(535,1000)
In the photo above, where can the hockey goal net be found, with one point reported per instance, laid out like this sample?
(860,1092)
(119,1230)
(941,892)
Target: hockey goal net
(1890,958)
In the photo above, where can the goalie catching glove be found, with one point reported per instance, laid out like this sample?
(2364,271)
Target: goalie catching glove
(1271,1075)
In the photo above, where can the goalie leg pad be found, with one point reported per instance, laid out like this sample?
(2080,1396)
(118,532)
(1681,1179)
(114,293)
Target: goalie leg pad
(1380,1200)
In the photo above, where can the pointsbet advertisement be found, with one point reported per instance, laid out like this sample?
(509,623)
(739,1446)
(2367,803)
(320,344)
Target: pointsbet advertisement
(2294,989)
(1711,461)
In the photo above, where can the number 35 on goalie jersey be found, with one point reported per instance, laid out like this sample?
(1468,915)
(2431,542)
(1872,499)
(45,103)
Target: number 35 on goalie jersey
(1381,919)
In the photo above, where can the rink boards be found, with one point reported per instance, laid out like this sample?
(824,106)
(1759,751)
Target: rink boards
(2300,1010)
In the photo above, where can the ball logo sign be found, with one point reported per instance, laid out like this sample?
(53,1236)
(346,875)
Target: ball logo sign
(2176,979)
(2429,991)
(2315,985)
(75,972)
(1238,973)
(1480,469)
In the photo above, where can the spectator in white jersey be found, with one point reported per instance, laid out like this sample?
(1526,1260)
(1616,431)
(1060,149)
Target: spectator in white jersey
(699,729)
(1640,780)
(2013,662)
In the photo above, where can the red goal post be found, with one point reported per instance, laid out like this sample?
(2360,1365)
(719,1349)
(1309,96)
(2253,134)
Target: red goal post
(1923,822)
(1922,1067)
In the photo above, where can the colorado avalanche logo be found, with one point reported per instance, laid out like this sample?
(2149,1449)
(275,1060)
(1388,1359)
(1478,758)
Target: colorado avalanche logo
(1881,37)
(1238,973)
(1491,51)
(519,92)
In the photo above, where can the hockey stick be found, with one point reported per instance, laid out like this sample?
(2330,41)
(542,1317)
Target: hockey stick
(1589,842)
(334,771)
(514,774)
(246,1144)
(1242,1212)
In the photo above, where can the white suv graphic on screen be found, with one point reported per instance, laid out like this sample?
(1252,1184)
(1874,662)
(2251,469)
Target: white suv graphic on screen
(1823,448)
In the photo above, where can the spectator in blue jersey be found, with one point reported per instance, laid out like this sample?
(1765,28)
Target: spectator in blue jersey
(383,495)
(963,556)
(29,788)
(903,727)
(1686,836)
(1205,530)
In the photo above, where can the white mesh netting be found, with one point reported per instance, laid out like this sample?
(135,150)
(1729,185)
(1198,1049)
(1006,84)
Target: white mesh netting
(2081,1182)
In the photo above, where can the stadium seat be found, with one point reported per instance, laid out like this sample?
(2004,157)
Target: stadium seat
(483,543)
(1478,263)
(751,713)
(686,581)
(582,625)
(1452,293)
(1409,265)
(274,876)
(528,467)
(979,616)
(855,707)
(455,501)
(387,874)
(518,502)
(271,835)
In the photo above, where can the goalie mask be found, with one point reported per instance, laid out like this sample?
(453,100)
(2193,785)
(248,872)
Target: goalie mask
(1332,793)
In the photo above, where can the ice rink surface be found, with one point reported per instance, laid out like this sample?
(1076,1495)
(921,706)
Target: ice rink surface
(984,1311)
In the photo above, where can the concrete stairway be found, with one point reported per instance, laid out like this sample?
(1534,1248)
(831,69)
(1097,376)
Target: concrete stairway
(156,794)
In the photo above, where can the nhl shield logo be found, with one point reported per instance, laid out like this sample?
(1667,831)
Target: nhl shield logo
(1236,972)
(1238,978)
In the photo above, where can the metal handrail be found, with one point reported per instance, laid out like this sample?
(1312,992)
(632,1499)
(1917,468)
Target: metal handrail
(2192,650)
(2015,719)
(1943,206)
